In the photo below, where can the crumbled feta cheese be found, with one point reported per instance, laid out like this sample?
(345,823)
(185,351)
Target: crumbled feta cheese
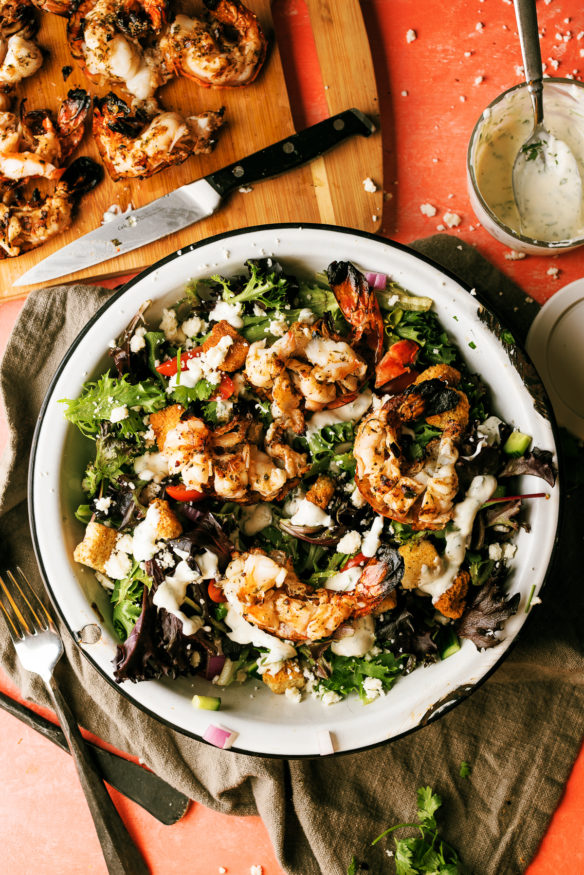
(124,543)
(229,312)
(369,185)
(151,466)
(169,324)
(479,26)
(103,504)
(404,93)
(203,367)
(411,35)
(349,543)
(293,694)
(440,227)
(371,540)
(149,437)
(488,431)
(164,559)
(427,210)
(452,219)
(467,54)
(357,499)
(373,687)
(330,697)
(478,80)
(307,316)
(245,189)
(118,565)
(258,311)
(256,870)
(553,272)
(222,870)
(194,326)
(119,413)
(495,552)
(137,342)
(223,410)
(278,327)
(513,255)
(509,551)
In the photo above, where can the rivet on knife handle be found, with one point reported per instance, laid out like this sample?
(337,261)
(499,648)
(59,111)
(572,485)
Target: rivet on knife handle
(292,151)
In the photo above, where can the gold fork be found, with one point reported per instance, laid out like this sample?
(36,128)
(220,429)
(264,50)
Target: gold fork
(39,647)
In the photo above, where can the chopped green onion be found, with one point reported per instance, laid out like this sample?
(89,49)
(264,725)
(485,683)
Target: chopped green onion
(528,605)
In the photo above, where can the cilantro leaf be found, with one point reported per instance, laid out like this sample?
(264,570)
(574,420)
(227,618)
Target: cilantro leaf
(352,870)
(404,857)
(428,805)
(464,769)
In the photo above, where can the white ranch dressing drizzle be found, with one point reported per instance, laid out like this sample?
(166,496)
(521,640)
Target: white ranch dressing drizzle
(243,632)
(505,128)
(347,413)
(360,642)
(479,491)
(171,594)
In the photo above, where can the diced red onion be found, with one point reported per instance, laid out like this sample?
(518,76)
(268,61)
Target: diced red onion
(219,736)
(214,666)
(376,280)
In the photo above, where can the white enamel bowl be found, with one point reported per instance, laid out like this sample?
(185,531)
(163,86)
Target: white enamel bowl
(266,723)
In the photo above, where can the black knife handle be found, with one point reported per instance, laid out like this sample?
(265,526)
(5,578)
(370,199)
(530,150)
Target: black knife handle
(292,151)
(136,783)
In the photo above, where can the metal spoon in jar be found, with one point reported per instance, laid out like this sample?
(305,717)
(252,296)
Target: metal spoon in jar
(547,185)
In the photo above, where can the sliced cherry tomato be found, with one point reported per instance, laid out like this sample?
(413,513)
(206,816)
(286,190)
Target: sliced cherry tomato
(169,368)
(181,493)
(396,361)
(354,561)
(226,388)
(215,592)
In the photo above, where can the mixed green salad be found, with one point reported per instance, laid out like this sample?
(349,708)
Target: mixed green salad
(299,481)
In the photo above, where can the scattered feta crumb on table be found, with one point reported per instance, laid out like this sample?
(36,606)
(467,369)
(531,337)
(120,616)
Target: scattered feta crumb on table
(369,185)
(452,219)
(411,35)
(427,210)
(513,255)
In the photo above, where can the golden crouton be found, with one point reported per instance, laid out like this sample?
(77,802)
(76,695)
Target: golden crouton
(418,555)
(164,421)
(321,492)
(289,677)
(451,603)
(168,525)
(446,373)
(237,352)
(454,420)
(96,547)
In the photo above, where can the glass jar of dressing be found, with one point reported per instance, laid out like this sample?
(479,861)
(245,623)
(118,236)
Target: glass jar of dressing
(496,139)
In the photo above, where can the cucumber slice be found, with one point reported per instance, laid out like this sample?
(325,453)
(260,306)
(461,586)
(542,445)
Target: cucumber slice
(517,444)
(449,644)
(207,703)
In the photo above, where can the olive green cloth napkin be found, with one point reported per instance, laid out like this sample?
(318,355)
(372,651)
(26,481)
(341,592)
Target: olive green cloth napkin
(520,731)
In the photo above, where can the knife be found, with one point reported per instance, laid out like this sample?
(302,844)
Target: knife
(197,200)
(136,783)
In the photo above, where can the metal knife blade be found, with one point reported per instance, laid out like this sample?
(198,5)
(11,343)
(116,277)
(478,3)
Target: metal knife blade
(136,783)
(197,200)
(163,216)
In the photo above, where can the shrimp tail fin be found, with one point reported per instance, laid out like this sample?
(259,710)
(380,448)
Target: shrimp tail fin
(358,303)
(380,577)
(81,176)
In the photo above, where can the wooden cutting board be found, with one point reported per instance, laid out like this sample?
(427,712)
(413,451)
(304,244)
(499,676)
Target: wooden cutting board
(329,190)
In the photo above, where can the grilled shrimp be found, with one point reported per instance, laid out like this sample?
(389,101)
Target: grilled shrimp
(358,303)
(226,51)
(17,17)
(49,144)
(272,597)
(227,461)
(57,7)
(141,144)
(320,369)
(20,58)
(420,493)
(26,224)
(110,56)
